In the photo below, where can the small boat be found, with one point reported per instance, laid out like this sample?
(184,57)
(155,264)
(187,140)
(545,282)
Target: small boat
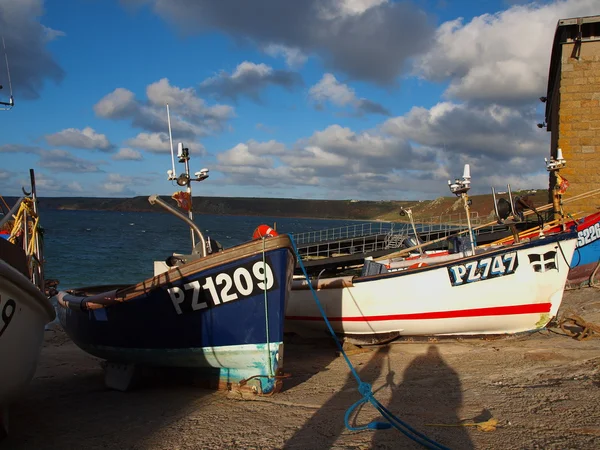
(220,312)
(502,290)
(24,307)
(586,260)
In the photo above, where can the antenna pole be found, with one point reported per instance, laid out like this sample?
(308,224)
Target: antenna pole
(171,142)
(11,101)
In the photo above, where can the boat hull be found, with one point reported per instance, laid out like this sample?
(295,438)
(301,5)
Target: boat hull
(503,291)
(587,252)
(209,314)
(24,312)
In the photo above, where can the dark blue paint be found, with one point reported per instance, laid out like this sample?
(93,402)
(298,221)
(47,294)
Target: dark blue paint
(151,321)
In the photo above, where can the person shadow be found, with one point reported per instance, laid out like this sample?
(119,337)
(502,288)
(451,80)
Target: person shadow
(429,399)
(430,393)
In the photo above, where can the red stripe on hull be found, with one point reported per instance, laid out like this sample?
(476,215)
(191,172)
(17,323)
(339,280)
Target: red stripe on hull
(533,308)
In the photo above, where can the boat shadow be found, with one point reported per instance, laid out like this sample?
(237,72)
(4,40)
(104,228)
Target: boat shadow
(429,393)
(69,407)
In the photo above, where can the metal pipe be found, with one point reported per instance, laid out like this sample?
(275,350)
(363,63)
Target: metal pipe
(12,212)
(39,250)
(156,200)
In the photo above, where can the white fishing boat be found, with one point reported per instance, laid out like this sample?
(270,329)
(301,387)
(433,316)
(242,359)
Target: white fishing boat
(502,290)
(24,308)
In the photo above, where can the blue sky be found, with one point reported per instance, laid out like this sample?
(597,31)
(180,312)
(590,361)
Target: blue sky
(363,99)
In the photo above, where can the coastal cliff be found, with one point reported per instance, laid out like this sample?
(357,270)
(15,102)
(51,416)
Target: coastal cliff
(482,205)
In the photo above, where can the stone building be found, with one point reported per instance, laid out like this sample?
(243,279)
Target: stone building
(573,107)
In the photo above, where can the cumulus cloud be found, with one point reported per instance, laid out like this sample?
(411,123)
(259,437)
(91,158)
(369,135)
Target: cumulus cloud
(191,117)
(117,184)
(251,154)
(501,58)
(330,90)
(366,39)
(19,148)
(127,154)
(294,57)
(63,161)
(410,156)
(159,143)
(31,64)
(494,131)
(250,80)
(75,138)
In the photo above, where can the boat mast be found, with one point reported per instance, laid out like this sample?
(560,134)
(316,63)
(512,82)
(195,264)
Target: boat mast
(460,189)
(554,166)
(11,101)
(183,156)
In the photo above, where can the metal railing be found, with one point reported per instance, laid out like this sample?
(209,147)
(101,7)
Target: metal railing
(375,236)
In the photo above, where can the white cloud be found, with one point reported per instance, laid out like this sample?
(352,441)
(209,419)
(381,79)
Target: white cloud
(250,79)
(127,154)
(294,57)
(190,116)
(63,161)
(251,154)
(501,58)
(159,143)
(86,138)
(329,89)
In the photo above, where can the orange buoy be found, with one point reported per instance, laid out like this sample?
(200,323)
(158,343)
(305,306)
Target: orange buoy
(264,231)
(418,265)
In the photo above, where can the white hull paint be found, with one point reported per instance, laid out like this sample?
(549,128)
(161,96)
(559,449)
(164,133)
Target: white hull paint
(424,301)
(25,313)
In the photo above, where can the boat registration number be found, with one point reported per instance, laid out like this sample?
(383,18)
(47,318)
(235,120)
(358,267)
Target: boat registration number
(226,286)
(8,307)
(588,235)
(483,269)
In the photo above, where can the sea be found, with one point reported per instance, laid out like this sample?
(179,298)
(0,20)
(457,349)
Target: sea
(90,248)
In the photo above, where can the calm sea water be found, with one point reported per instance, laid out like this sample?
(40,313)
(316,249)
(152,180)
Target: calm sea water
(84,248)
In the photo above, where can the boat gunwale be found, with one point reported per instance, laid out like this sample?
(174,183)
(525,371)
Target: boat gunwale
(564,236)
(21,282)
(115,294)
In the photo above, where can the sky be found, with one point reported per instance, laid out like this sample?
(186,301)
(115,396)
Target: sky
(316,99)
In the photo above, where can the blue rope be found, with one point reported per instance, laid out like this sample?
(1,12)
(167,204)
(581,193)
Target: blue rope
(365,388)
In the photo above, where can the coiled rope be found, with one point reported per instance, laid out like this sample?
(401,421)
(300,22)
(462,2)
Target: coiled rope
(365,388)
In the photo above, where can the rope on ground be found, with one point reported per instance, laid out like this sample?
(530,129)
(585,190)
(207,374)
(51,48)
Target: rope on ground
(365,388)
(593,281)
(573,325)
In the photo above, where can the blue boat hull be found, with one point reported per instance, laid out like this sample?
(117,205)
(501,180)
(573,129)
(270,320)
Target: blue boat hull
(587,253)
(224,314)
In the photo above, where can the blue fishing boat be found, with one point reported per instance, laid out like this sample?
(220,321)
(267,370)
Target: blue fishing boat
(219,312)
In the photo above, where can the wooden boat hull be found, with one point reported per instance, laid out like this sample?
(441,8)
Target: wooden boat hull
(503,291)
(24,311)
(208,314)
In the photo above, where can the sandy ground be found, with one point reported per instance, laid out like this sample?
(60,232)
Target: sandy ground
(544,390)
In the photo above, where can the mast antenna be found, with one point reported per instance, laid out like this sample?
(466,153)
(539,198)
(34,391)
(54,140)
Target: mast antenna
(11,101)
(172,174)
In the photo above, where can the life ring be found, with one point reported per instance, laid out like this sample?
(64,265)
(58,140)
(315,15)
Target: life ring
(264,231)
(418,265)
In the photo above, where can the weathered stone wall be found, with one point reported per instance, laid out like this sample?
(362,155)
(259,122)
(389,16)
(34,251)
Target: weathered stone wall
(579,122)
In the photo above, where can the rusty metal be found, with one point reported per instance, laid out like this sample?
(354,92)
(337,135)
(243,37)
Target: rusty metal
(281,375)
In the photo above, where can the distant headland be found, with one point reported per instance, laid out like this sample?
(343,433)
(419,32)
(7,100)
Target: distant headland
(482,205)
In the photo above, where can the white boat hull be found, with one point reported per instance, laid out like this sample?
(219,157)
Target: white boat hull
(480,294)
(24,311)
